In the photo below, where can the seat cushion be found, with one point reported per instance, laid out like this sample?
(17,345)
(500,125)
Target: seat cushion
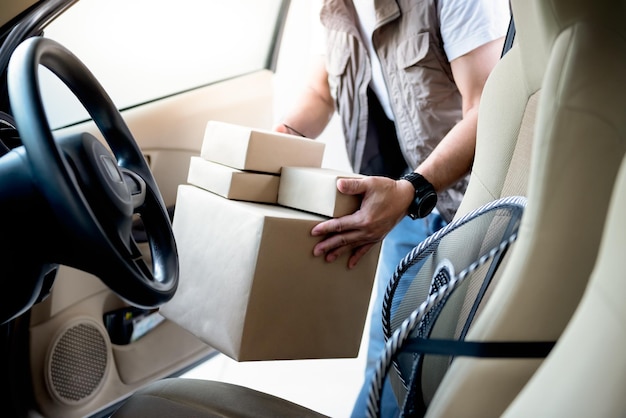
(179,397)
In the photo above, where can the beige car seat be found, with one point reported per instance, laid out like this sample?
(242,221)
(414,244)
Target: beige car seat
(572,51)
(585,374)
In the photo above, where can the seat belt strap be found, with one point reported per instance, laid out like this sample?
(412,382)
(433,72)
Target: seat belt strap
(492,349)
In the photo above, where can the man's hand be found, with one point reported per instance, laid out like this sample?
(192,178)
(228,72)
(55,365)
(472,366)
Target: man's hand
(385,202)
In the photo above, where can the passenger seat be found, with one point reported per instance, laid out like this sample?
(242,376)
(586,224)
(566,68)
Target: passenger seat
(568,62)
(585,374)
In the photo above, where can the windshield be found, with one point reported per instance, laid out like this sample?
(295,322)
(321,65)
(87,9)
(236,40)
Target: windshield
(142,50)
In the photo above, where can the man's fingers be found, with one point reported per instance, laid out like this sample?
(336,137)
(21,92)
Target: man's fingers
(335,246)
(358,253)
(355,257)
(332,226)
(331,244)
(281,128)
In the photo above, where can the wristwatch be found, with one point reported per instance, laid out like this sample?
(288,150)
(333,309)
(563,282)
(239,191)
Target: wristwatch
(425,196)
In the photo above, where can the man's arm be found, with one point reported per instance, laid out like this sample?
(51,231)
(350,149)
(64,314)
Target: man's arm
(386,201)
(452,158)
(313,108)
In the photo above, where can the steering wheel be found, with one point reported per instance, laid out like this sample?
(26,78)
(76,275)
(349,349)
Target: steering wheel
(93,192)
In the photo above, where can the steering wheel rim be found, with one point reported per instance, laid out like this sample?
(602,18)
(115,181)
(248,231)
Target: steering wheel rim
(118,259)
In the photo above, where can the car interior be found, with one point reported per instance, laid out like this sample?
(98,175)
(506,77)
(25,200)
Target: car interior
(551,130)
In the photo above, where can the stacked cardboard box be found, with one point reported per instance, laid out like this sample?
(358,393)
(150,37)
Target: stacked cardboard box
(249,283)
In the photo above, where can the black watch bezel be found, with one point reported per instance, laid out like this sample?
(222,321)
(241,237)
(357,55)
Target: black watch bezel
(425,198)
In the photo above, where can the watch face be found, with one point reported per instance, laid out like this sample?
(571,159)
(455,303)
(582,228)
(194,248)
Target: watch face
(427,204)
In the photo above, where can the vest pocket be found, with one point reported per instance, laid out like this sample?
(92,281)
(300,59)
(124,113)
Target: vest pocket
(413,50)
(423,73)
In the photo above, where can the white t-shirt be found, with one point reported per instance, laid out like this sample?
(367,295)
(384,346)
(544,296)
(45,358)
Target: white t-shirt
(465,25)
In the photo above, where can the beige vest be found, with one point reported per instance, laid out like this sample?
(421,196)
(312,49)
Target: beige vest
(423,96)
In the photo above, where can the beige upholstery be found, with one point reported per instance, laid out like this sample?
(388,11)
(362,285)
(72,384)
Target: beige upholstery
(585,374)
(579,48)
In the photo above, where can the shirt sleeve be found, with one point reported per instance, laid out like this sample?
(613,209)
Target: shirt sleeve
(467,24)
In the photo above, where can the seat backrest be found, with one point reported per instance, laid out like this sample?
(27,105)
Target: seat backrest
(574,53)
(585,374)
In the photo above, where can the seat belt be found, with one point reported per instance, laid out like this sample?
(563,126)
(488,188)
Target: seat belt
(510,36)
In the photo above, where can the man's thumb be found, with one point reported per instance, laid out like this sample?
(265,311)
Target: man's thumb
(351,186)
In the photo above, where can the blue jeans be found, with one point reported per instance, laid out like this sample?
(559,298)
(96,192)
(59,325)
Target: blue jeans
(396,245)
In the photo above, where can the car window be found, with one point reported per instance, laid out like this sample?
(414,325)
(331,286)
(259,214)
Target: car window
(142,50)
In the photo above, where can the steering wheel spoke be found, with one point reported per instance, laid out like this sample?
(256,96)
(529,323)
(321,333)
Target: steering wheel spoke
(136,186)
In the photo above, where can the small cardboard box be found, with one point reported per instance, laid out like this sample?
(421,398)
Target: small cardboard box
(314,189)
(251,287)
(232,183)
(258,150)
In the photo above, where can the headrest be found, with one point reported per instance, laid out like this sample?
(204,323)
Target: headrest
(539,22)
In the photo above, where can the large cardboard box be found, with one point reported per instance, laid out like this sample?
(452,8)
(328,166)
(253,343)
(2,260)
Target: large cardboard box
(314,189)
(258,150)
(232,183)
(251,287)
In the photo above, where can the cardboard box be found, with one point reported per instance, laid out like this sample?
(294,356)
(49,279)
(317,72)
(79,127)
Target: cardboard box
(232,183)
(314,189)
(251,287)
(258,150)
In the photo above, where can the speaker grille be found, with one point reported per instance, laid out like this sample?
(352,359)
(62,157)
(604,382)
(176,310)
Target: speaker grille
(78,363)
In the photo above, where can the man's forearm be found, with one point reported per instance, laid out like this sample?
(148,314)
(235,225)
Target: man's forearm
(314,107)
(452,159)
(310,115)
